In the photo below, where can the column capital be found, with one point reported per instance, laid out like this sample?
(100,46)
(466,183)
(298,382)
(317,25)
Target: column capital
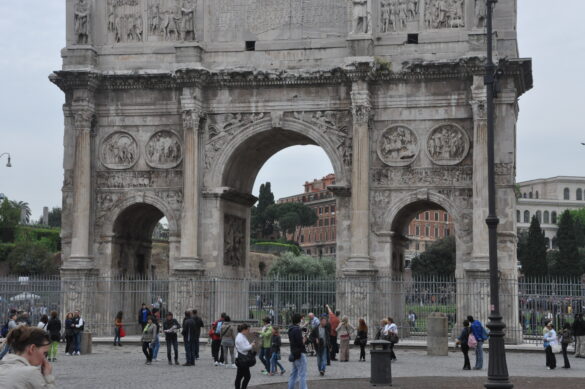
(191,118)
(83,119)
(479,108)
(361,106)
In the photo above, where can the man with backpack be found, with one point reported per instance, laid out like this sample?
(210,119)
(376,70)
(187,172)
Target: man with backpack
(480,334)
(215,335)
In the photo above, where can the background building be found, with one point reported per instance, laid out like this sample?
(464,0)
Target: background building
(547,199)
(425,229)
(318,240)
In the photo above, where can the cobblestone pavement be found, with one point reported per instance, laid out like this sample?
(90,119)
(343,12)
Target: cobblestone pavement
(123,367)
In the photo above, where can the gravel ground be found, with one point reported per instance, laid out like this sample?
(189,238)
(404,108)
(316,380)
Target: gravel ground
(123,367)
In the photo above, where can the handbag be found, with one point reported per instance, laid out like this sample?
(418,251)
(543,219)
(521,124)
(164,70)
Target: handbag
(393,338)
(471,341)
(246,360)
(122,332)
(556,348)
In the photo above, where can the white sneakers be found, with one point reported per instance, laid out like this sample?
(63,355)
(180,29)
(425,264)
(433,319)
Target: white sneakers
(216,363)
(233,366)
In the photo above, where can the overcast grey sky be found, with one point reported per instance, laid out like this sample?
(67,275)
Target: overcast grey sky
(550,130)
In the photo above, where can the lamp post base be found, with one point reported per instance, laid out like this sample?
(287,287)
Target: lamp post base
(498,368)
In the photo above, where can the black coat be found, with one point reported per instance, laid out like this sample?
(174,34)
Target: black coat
(189,330)
(54,329)
(295,337)
(579,327)
(198,325)
(167,325)
(315,337)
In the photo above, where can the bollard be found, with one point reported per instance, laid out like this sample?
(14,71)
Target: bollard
(86,343)
(437,334)
(380,363)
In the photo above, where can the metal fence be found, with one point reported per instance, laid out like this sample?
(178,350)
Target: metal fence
(525,304)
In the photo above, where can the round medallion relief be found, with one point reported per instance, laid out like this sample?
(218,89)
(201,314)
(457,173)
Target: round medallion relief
(398,146)
(164,150)
(119,151)
(448,144)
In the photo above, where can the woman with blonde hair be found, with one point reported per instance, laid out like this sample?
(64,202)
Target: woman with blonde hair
(344,331)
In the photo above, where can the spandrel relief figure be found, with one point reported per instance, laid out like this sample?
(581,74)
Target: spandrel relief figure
(360,17)
(81,21)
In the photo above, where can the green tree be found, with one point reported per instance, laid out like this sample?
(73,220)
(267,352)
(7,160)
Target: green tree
(568,262)
(302,266)
(291,215)
(9,219)
(261,225)
(31,258)
(55,217)
(24,210)
(533,254)
(436,260)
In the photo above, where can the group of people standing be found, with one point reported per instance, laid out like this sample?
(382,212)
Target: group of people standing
(554,342)
(473,335)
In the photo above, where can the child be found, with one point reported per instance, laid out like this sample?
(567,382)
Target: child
(275,350)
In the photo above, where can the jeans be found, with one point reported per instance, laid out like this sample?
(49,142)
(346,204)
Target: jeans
(69,343)
(362,351)
(155,347)
(228,350)
(215,347)
(196,348)
(322,358)
(174,344)
(242,377)
(147,351)
(334,346)
(190,351)
(299,373)
(479,355)
(77,342)
(265,358)
(565,357)
(274,363)
(580,345)
(465,351)
(551,360)
(4,351)
(116,335)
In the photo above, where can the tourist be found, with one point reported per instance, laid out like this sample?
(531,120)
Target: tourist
(228,341)
(462,340)
(170,328)
(23,319)
(143,314)
(215,336)
(69,334)
(391,334)
(362,338)
(27,367)
(10,325)
(344,331)
(412,320)
(147,338)
(480,334)
(118,328)
(321,338)
(275,344)
(189,339)
(198,326)
(265,345)
(156,339)
(566,340)
(298,354)
(243,348)
(78,325)
(579,334)
(550,341)
(43,322)
(380,332)
(54,330)
(333,323)
(313,321)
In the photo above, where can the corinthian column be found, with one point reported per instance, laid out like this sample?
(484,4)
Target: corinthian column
(80,257)
(360,211)
(189,260)
(480,177)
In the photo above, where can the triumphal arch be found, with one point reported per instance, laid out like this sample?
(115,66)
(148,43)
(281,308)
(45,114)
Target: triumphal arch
(172,107)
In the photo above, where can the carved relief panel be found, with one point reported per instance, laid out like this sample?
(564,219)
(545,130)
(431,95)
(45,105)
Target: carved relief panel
(119,151)
(164,150)
(447,144)
(398,146)
(444,14)
(234,241)
(171,20)
(125,20)
(398,15)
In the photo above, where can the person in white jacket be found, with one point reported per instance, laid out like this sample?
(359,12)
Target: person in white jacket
(243,346)
(28,367)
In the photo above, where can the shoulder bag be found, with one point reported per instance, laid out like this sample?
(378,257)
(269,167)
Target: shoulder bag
(246,360)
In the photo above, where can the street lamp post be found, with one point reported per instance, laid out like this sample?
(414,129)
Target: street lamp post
(8,164)
(497,368)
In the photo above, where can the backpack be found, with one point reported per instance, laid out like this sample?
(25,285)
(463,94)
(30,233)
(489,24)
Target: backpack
(218,328)
(471,341)
(4,330)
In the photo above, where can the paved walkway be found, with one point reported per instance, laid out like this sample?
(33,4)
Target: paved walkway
(123,367)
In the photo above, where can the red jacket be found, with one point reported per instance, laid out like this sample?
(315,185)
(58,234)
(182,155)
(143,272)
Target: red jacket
(212,331)
(334,322)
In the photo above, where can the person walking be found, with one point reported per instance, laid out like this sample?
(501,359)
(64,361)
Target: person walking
(362,338)
(550,340)
(27,367)
(143,314)
(78,326)
(11,324)
(156,339)
(43,322)
(266,339)
(566,340)
(228,341)
(189,339)
(480,334)
(215,336)
(579,334)
(118,328)
(321,338)
(170,328)
(333,323)
(298,354)
(243,348)
(147,338)
(54,330)
(198,326)
(69,333)
(275,344)
(344,331)
(462,340)
(391,334)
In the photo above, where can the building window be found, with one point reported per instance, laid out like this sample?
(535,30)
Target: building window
(417,216)
(530,195)
(427,215)
(326,222)
(308,252)
(326,236)
(536,194)
(320,224)
(332,221)
(417,246)
(302,238)
(320,210)
(427,230)
(445,217)
(447,232)
(417,231)
(553,217)
(579,194)
(326,209)
(524,195)
(539,216)
(545,218)
(333,209)
(518,216)
(436,216)
(567,194)
(526,217)
(436,232)
(547,240)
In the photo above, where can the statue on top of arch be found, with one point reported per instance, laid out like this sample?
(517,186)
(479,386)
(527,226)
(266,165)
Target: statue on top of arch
(81,21)
(361,17)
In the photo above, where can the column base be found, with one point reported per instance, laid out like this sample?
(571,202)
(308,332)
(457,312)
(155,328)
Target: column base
(359,265)
(188,265)
(78,263)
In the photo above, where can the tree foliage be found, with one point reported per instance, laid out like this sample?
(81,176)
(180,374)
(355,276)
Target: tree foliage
(261,226)
(24,210)
(532,254)
(55,217)
(290,265)
(9,219)
(31,258)
(436,260)
(568,260)
(289,216)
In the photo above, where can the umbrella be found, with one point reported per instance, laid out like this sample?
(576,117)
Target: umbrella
(24,296)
